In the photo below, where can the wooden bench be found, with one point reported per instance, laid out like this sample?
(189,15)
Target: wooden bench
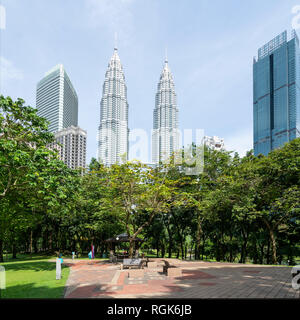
(171,271)
(133,263)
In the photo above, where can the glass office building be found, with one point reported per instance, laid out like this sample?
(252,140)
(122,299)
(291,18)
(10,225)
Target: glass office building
(276,85)
(56,99)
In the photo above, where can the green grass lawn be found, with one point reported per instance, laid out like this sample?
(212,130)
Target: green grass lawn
(33,278)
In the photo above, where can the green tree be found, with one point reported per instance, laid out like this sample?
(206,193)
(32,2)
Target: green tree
(280,180)
(139,193)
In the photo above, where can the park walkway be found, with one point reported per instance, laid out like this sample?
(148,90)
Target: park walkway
(99,279)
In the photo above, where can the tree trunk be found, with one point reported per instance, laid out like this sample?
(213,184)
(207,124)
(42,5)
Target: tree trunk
(222,245)
(203,248)
(35,245)
(170,243)
(63,242)
(182,249)
(290,252)
(130,248)
(198,238)
(170,250)
(261,260)
(273,243)
(50,242)
(243,252)
(218,251)
(30,249)
(14,251)
(191,250)
(230,250)
(162,250)
(244,246)
(268,252)
(44,241)
(196,251)
(1,251)
(255,257)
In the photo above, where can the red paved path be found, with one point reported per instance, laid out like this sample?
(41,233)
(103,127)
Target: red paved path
(97,279)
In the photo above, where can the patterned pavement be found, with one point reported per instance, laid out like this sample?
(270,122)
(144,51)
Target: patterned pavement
(97,279)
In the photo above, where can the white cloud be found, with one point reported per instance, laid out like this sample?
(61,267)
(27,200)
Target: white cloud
(8,71)
(240,141)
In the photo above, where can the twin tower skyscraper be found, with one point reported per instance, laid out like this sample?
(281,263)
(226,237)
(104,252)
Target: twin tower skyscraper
(113,134)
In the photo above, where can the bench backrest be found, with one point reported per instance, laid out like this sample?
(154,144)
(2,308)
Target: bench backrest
(132,262)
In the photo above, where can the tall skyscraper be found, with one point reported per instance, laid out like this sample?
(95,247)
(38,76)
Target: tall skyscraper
(276,93)
(113,128)
(56,99)
(165,135)
(71,146)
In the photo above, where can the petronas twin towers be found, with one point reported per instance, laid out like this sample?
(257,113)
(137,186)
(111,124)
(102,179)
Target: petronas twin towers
(113,129)
(165,135)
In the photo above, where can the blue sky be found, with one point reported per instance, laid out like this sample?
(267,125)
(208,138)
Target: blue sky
(210,44)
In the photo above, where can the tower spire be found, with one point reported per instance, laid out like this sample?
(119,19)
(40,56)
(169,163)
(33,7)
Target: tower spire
(116,41)
(166,55)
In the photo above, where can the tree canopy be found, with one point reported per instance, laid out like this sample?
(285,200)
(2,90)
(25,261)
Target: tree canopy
(237,209)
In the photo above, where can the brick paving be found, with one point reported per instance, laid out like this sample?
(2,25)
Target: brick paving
(98,279)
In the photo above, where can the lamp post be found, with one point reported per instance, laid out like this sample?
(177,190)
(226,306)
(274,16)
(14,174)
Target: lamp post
(58,269)
(2,279)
